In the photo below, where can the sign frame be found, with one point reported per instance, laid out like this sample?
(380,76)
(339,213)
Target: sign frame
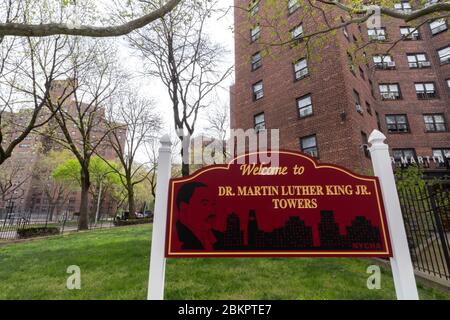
(384,230)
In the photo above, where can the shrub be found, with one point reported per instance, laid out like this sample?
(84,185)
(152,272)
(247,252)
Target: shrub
(37,232)
(119,223)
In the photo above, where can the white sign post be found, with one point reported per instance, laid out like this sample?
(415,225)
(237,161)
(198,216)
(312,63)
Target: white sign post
(157,259)
(401,265)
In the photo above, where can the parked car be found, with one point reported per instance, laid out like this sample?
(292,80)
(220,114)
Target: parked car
(148,214)
(139,215)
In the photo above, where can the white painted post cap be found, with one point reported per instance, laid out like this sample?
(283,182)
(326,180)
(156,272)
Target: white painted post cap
(376,137)
(165,140)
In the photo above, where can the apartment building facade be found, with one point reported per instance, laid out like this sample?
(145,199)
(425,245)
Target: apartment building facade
(327,101)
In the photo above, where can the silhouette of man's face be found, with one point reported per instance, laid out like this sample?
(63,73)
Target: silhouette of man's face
(200,212)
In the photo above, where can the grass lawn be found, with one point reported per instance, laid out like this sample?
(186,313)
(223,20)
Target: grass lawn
(114,265)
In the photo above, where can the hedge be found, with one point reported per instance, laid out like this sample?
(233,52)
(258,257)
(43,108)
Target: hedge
(119,223)
(37,232)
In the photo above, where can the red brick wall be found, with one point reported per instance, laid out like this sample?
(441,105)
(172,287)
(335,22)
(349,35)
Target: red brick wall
(331,84)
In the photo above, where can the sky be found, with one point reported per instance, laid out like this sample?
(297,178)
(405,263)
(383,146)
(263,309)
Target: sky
(220,29)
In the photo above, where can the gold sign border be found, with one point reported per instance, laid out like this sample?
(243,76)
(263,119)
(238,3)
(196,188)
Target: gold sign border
(374,180)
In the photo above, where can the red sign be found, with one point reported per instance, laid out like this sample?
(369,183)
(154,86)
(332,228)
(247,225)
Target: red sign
(298,208)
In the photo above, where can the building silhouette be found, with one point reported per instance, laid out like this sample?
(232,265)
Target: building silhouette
(330,237)
(252,228)
(233,237)
(296,235)
(363,234)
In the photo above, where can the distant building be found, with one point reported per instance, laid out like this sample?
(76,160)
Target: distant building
(35,146)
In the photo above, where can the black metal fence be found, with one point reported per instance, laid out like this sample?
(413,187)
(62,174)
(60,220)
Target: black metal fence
(13,221)
(426,214)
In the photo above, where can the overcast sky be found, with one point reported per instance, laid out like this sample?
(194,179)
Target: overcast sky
(219,28)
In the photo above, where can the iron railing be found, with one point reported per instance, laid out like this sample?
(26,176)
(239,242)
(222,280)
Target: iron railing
(426,214)
(12,221)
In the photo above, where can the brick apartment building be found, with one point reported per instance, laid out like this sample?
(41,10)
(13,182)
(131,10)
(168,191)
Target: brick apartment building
(328,107)
(31,196)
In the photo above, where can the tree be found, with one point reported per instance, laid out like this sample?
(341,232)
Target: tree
(43,27)
(329,16)
(104,179)
(80,123)
(217,128)
(27,69)
(140,125)
(151,151)
(179,52)
(13,177)
(56,191)
(142,197)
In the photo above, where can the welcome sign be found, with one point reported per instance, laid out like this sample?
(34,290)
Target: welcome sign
(298,208)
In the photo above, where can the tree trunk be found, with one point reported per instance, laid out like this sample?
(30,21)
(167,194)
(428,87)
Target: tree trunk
(52,210)
(131,207)
(83,223)
(185,144)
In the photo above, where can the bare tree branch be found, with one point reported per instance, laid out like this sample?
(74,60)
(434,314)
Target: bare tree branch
(49,29)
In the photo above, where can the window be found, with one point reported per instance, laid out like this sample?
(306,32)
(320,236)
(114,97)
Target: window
(438,26)
(256,61)
(351,64)
(357,101)
(368,108)
(365,144)
(305,107)
(403,6)
(372,92)
(430,2)
(448,85)
(409,33)
(425,90)
(383,61)
(293,5)
(361,73)
(434,122)
(260,122)
(255,33)
(377,34)
(258,91)
(444,55)
(377,115)
(254,7)
(397,123)
(309,145)
(301,69)
(297,33)
(418,60)
(390,91)
(345,31)
(442,155)
(403,155)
